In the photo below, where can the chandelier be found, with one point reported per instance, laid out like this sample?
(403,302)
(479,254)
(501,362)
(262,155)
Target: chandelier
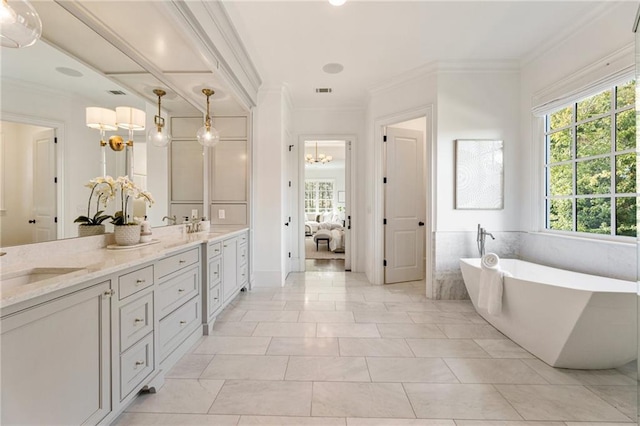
(310,159)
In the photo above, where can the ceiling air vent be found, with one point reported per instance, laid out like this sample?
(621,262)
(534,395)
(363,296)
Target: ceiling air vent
(116,92)
(324,90)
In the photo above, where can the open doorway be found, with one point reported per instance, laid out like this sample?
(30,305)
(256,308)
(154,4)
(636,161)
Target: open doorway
(325,205)
(28,184)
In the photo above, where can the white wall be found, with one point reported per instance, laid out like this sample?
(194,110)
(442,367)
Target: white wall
(268,184)
(601,48)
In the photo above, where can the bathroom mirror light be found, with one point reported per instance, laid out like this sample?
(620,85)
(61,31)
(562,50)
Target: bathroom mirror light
(159,136)
(20,25)
(208,135)
(337,2)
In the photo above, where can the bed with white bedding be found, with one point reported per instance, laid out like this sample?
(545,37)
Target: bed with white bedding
(336,244)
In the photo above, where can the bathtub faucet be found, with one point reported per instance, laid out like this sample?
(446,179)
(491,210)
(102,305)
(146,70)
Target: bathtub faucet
(480,238)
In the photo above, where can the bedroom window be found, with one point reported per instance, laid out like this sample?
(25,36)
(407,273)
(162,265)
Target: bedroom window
(590,164)
(318,196)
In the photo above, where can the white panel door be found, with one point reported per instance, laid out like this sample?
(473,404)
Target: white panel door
(404,206)
(44,186)
(290,208)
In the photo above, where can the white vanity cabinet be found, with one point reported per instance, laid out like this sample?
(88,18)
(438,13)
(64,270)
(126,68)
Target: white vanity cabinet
(55,358)
(178,304)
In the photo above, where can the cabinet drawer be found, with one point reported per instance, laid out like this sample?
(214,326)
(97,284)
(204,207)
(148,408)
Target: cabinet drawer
(215,272)
(176,327)
(243,275)
(243,254)
(135,281)
(135,365)
(176,262)
(215,299)
(136,321)
(177,290)
(215,249)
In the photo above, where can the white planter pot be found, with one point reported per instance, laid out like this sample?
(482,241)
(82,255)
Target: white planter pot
(127,235)
(89,230)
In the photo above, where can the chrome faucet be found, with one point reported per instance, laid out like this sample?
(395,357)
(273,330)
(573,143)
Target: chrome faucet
(480,239)
(170,220)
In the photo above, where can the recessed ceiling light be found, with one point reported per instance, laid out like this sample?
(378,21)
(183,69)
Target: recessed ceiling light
(337,2)
(333,68)
(69,71)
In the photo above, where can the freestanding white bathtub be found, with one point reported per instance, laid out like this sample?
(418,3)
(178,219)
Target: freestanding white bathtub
(567,319)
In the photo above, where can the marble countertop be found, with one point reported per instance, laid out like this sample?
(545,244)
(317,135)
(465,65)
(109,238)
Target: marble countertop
(96,262)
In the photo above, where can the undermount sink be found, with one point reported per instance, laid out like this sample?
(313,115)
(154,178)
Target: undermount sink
(30,276)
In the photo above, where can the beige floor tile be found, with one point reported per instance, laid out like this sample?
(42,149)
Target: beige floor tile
(559,402)
(304,346)
(149,419)
(506,423)
(456,306)
(507,371)
(274,305)
(328,369)
(347,330)
(386,297)
(277,398)
(382,317)
(292,421)
(233,345)
(374,347)
(474,317)
(308,296)
(353,421)
(419,331)
(342,297)
(189,366)
(470,331)
(254,297)
(449,348)
(326,316)
(246,367)
(271,316)
(562,376)
(285,329)
(421,370)
(502,348)
(360,400)
(439,318)
(361,306)
(459,401)
(238,329)
(310,306)
(178,396)
(596,424)
(411,306)
(623,398)
(231,314)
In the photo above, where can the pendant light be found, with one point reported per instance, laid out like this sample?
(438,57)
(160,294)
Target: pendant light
(207,135)
(159,135)
(20,25)
(322,159)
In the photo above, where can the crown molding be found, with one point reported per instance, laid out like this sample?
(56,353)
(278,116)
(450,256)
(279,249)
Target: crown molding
(404,78)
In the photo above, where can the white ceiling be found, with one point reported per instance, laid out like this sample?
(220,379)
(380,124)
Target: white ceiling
(291,41)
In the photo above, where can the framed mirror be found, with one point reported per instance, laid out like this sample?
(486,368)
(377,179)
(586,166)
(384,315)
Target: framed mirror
(479,175)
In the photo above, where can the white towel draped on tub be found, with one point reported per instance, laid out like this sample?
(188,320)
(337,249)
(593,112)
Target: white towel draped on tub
(491,282)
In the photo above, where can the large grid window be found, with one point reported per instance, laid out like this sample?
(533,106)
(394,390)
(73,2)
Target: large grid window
(318,196)
(590,164)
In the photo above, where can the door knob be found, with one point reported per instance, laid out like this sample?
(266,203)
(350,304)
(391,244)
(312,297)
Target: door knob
(420,223)
(286,224)
(32,221)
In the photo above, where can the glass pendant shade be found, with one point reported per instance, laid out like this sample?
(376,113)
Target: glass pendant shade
(101,118)
(130,118)
(159,137)
(208,136)
(20,25)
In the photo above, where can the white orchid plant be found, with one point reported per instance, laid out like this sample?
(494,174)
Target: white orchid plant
(127,190)
(104,190)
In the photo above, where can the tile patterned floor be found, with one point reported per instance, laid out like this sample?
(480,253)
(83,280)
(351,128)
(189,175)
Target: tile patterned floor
(331,349)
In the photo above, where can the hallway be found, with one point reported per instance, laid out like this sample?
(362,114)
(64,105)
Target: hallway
(331,349)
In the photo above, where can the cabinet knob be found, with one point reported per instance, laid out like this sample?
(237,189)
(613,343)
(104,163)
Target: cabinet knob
(215,273)
(183,322)
(180,290)
(109,293)
(216,250)
(215,298)
(226,245)
(182,261)
(139,363)
(140,281)
(137,320)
